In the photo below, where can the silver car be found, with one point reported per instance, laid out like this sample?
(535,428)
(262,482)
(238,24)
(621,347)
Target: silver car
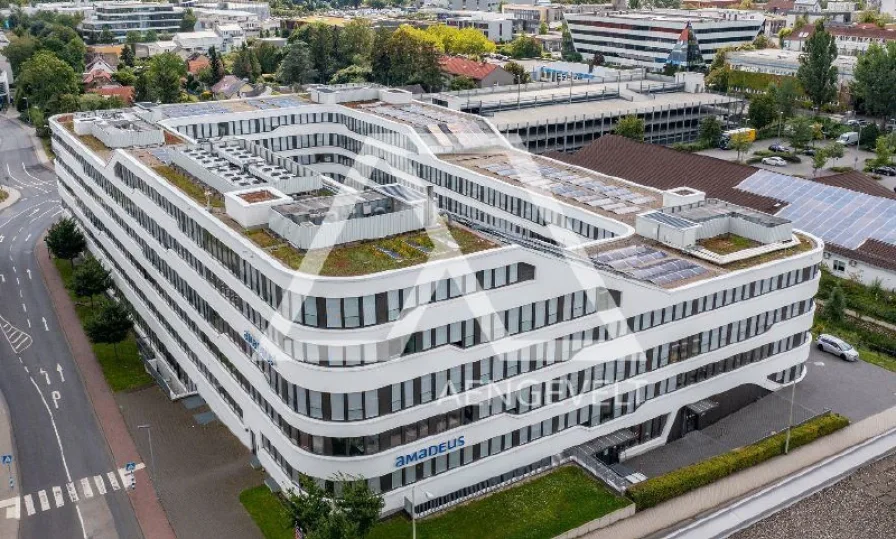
(838,347)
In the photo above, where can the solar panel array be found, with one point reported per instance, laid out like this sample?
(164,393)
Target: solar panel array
(582,189)
(448,130)
(837,215)
(194,109)
(647,264)
(277,102)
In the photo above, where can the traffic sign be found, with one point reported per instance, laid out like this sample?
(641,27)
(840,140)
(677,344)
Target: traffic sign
(6,459)
(130,467)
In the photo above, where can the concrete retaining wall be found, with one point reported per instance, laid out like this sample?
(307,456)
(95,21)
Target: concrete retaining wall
(599,523)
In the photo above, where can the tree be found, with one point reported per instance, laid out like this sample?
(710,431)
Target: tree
(741,145)
(352,73)
(320,39)
(128,55)
(819,160)
(268,56)
(351,515)
(710,131)
(630,127)
(20,50)
(719,71)
(90,278)
(133,37)
(762,42)
(817,73)
(188,23)
(801,131)
(163,77)
(245,64)
(542,28)
(106,35)
(296,67)
(882,152)
(835,308)
(216,66)
(786,93)
(868,136)
(461,83)
(43,78)
(110,325)
(355,43)
(567,46)
(520,75)
(150,35)
(762,110)
(65,241)
(875,80)
(834,151)
(525,47)
(125,77)
(406,56)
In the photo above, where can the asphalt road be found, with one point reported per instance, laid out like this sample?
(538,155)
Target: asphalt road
(64,465)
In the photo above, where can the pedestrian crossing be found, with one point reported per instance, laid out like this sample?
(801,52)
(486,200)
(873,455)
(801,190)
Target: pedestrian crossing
(18,339)
(73,492)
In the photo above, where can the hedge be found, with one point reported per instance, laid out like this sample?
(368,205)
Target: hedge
(664,487)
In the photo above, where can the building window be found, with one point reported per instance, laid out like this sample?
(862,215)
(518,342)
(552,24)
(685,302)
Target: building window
(839,265)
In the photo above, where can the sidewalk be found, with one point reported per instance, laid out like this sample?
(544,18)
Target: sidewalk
(682,510)
(13,197)
(9,527)
(150,514)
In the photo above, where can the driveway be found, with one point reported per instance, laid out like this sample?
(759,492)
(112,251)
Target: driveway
(804,168)
(856,390)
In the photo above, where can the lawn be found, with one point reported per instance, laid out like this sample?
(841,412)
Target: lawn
(190,187)
(727,244)
(539,509)
(3,194)
(805,245)
(268,512)
(124,371)
(47,143)
(874,301)
(863,335)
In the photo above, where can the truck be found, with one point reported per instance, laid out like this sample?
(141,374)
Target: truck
(743,133)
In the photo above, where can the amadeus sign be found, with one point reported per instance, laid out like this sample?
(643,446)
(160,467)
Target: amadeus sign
(428,452)
(257,347)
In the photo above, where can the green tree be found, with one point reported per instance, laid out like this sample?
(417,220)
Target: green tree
(786,93)
(245,64)
(520,75)
(834,151)
(321,41)
(801,131)
(297,66)
(819,160)
(150,35)
(835,307)
(43,78)
(163,77)
(361,505)
(882,152)
(817,73)
(719,72)
(268,55)
(128,55)
(106,35)
(20,50)
(188,23)
(542,28)
(461,83)
(216,67)
(65,241)
(352,74)
(762,110)
(133,37)
(125,77)
(355,43)
(525,47)
(90,278)
(567,46)
(875,80)
(741,145)
(868,136)
(630,127)
(710,131)
(110,325)
(406,56)
(351,515)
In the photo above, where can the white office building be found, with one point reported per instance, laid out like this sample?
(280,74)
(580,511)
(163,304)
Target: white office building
(123,17)
(390,290)
(656,38)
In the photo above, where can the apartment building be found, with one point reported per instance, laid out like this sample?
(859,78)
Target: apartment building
(493,26)
(367,285)
(656,38)
(123,17)
(850,40)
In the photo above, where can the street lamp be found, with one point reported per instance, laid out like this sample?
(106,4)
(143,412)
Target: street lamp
(429,496)
(855,164)
(152,457)
(780,123)
(790,419)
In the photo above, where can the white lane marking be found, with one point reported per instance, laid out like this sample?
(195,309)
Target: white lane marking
(100,485)
(113,480)
(59,370)
(44,501)
(72,492)
(28,271)
(29,323)
(28,237)
(44,320)
(13,507)
(57,496)
(56,397)
(86,489)
(29,504)
(46,375)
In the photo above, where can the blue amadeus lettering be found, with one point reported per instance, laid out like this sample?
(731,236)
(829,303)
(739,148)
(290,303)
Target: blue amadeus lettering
(256,346)
(430,451)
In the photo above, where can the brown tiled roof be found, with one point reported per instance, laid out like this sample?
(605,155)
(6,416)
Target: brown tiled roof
(665,168)
(860,30)
(458,66)
(859,182)
(778,5)
(875,252)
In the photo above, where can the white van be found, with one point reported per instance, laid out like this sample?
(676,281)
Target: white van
(848,139)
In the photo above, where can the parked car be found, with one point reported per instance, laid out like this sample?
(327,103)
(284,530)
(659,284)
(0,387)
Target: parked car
(780,148)
(838,347)
(850,138)
(774,161)
(809,151)
(885,171)
(857,123)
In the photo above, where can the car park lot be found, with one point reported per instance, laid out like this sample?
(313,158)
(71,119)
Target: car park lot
(804,167)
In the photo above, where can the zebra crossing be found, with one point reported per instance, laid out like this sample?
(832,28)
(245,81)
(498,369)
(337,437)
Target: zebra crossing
(58,496)
(18,339)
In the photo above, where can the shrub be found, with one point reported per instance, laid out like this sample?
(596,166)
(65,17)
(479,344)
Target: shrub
(667,486)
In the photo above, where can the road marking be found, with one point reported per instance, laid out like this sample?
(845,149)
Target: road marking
(28,271)
(56,397)
(59,370)
(29,504)
(29,323)
(46,375)
(44,320)
(13,507)
(100,484)
(28,237)
(72,492)
(24,308)
(113,481)
(44,501)
(85,488)
(57,495)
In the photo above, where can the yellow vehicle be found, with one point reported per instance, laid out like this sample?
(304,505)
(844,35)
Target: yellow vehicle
(744,133)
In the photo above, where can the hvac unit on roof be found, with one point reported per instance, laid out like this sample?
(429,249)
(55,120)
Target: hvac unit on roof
(853,263)
(827,255)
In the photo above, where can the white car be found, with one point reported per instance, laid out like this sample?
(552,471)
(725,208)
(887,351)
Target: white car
(774,161)
(838,347)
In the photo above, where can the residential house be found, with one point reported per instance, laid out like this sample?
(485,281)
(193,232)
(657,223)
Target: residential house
(485,74)
(110,53)
(231,87)
(126,93)
(850,40)
(196,62)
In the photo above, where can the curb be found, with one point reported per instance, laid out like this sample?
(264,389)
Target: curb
(14,196)
(150,514)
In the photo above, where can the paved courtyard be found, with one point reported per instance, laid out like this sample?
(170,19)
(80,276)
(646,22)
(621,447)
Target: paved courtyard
(201,469)
(856,390)
(862,506)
